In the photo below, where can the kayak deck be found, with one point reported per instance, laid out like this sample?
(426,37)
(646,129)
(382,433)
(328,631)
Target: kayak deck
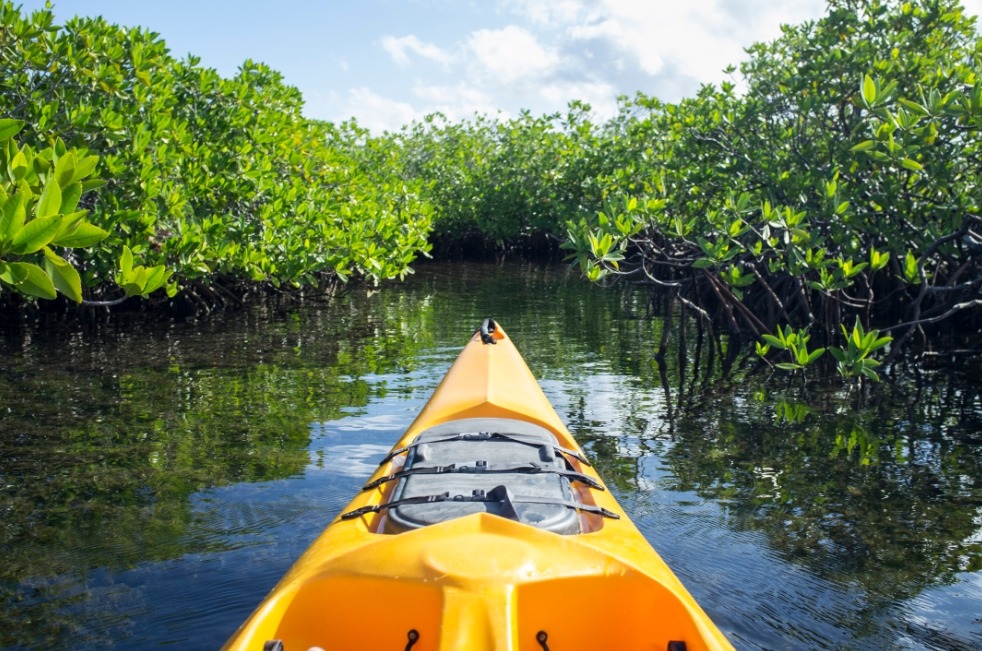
(505,467)
(484,528)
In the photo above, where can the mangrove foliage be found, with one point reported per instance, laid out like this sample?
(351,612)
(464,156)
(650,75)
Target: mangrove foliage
(838,188)
(209,183)
(822,199)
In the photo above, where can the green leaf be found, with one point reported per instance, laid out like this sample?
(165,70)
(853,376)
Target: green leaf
(703,263)
(14,215)
(65,169)
(870,373)
(879,343)
(774,341)
(869,91)
(84,167)
(40,165)
(33,280)
(132,289)
(11,275)
(64,276)
(18,166)
(92,184)
(50,202)
(914,106)
(83,235)
(139,278)
(156,278)
(912,269)
(69,198)
(911,164)
(126,262)
(36,234)
(878,260)
(9,128)
(866,145)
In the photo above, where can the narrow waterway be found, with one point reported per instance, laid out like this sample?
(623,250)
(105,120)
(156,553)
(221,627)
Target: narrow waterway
(157,478)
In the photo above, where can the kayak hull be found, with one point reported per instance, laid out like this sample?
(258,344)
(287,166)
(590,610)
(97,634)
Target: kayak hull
(481,581)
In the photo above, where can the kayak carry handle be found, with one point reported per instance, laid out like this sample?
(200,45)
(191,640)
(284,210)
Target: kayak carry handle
(487,327)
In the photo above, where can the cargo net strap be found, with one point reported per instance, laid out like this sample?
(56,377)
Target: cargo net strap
(481,467)
(497,495)
(483,436)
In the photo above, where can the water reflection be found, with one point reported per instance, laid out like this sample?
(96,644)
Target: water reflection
(157,479)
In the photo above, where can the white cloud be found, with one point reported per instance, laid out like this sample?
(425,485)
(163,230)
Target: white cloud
(602,97)
(399,49)
(690,37)
(555,51)
(512,54)
(457,102)
(547,13)
(973,8)
(663,41)
(374,111)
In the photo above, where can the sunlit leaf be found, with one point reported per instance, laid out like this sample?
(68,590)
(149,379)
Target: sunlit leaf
(64,276)
(36,234)
(9,128)
(33,280)
(83,235)
(50,202)
(869,91)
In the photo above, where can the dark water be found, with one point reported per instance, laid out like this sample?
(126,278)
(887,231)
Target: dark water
(157,480)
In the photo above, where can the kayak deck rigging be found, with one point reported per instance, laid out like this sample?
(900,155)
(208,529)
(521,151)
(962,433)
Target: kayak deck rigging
(505,467)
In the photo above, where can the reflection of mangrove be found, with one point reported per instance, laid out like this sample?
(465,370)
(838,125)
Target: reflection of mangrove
(129,474)
(103,444)
(108,430)
(859,496)
(111,427)
(877,486)
(106,440)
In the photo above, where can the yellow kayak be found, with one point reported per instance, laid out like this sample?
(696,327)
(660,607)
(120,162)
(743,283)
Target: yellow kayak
(484,528)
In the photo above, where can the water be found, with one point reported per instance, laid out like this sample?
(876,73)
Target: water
(156,480)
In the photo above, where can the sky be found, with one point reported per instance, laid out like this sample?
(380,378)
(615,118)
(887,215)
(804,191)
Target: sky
(389,62)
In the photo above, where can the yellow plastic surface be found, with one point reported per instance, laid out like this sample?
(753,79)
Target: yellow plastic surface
(481,582)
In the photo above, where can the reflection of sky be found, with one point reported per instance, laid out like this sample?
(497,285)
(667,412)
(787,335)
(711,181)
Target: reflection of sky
(944,615)
(357,423)
(350,460)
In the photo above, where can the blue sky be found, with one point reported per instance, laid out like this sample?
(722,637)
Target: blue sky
(388,62)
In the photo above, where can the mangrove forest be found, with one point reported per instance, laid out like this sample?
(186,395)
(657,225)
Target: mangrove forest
(823,197)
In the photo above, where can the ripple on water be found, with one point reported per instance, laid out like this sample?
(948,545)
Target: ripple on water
(348,460)
(374,423)
(958,607)
(758,599)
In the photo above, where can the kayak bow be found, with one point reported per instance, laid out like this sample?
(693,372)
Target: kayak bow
(484,528)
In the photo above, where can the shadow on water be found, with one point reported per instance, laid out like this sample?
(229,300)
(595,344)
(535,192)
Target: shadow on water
(156,479)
